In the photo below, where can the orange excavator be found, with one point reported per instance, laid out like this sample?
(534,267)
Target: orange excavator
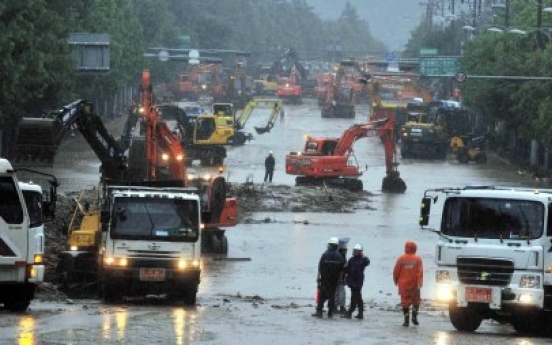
(330,161)
(289,89)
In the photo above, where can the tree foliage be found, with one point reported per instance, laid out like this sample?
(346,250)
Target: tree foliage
(37,72)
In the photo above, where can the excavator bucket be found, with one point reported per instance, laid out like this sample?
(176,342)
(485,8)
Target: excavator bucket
(37,141)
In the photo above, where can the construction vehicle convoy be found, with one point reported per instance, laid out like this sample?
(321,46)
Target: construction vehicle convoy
(493,255)
(329,161)
(23,210)
(150,220)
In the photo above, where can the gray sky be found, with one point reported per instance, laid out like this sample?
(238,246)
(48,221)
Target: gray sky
(390,20)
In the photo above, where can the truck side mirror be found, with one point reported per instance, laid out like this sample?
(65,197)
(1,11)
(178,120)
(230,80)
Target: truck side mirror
(424,211)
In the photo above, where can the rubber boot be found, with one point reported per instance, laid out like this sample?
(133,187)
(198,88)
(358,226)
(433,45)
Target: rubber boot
(342,310)
(415,309)
(318,313)
(406,313)
(360,314)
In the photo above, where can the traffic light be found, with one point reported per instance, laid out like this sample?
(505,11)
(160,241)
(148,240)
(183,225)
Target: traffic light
(424,211)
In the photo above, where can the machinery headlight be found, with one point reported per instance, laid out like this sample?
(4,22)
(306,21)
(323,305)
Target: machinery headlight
(525,298)
(179,158)
(287,85)
(165,156)
(195,263)
(444,293)
(74,248)
(182,264)
(121,262)
(204,87)
(442,277)
(38,259)
(191,177)
(529,281)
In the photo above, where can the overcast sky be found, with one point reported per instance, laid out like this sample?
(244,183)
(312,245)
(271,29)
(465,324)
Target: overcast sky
(390,20)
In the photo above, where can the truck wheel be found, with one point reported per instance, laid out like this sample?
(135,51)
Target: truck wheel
(527,324)
(111,293)
(219,244)
(189,297)
(464,319)
(21,299)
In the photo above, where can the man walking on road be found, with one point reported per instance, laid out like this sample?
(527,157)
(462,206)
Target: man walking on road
(329,267)
(408,275)
(355,279)
(270,162)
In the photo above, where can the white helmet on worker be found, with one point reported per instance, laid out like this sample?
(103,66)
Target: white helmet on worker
(357,246)
(334,240)
(269,152)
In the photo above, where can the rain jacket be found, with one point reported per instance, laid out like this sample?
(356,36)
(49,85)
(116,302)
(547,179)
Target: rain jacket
(355,271)
(408,271)
(270,162)
(329,268)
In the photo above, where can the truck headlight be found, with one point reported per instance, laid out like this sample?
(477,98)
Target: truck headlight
(442,277)
(529,281)
(182,264)
(444,293)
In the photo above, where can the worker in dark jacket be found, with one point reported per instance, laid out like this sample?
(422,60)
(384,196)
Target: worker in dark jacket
(329,268)
(270,162)
(355,279)
(340,294)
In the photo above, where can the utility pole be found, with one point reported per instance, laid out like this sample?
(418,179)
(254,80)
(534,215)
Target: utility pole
(507,13)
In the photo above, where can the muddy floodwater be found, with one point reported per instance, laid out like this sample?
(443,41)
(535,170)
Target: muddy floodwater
(263,291)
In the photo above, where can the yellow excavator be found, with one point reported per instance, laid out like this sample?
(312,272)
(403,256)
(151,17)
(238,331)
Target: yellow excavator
(228,128)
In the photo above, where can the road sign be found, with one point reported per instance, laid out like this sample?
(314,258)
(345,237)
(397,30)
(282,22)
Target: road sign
(389,56)
(460,77)
(428,51)
(439,66)
(194,57)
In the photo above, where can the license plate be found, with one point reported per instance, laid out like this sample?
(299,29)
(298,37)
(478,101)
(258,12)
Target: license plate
(480,295)
(152,274)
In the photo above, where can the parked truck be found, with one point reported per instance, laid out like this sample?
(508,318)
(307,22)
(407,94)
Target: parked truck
(493,255)
(22,213)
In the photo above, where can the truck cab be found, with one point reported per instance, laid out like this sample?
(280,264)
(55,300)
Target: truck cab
(493,256)
(21,239)
(151,243)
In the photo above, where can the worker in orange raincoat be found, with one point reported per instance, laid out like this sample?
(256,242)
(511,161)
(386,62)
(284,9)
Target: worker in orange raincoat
(408,275)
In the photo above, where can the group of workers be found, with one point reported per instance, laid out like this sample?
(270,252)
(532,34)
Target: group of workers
(335,271)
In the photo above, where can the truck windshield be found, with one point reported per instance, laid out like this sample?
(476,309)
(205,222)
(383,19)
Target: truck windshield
(137,218)
(493,218)
(33,201)
(11,209)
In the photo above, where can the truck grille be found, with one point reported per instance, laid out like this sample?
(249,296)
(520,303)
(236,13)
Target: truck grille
(485,271)
(153,263)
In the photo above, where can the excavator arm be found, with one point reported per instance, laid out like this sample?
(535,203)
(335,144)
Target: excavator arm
(80,114)
(344,146)
(273,104)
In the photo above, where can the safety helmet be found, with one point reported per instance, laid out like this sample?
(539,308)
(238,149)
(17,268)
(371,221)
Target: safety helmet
(357,246)
(333,240)
(269,152)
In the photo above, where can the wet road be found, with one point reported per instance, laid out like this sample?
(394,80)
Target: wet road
(265,294)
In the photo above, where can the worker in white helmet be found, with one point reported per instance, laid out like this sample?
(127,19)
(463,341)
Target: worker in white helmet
(355,279)
(329,268)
